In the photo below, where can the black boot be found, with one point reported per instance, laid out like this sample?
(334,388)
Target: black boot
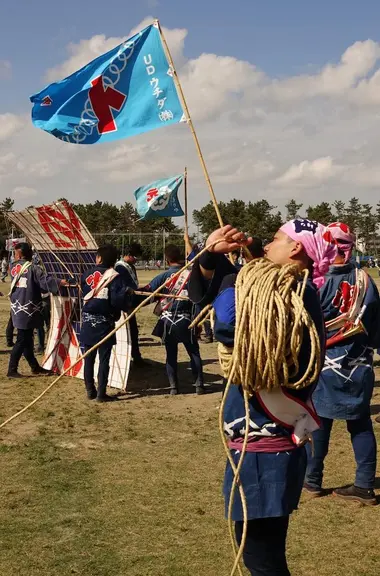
(14,374)
(362,495)
(42,371)
(91,390)
(107,398)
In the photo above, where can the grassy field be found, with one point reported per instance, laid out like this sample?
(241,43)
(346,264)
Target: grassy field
(133,488)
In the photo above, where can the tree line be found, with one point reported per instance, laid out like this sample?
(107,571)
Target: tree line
(258,218)
(262,219)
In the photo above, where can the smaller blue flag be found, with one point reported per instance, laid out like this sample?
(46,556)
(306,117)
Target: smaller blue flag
(159,199)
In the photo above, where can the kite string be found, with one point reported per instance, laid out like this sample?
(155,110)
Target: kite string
(96,346)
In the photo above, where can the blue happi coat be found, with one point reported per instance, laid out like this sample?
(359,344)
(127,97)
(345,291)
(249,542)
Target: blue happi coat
(177,317)
(346,382)
(26,298)
(128,273)
(272,482)
(101,312)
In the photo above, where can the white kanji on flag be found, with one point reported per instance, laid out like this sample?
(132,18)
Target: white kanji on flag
(166,115)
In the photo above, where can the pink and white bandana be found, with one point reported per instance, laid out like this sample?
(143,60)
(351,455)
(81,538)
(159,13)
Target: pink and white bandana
(343,237)
(318,244)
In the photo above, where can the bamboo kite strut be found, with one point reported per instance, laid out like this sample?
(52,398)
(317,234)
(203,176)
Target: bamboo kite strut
(154,293)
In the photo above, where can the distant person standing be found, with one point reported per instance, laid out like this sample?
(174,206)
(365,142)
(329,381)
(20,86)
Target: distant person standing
(175,317)
(127,270)
(4,268)
(28,280)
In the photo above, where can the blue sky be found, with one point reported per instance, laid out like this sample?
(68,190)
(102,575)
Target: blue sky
(282,37)
(305,123)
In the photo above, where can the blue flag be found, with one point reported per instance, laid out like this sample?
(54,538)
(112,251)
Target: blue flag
(125,92)
(159,199)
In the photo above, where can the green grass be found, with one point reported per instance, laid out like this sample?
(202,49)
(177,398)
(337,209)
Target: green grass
(134,488)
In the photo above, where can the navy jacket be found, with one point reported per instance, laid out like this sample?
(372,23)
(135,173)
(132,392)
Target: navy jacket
(101,312)
(128,273)
(176,318)
(346,382)
(26,299)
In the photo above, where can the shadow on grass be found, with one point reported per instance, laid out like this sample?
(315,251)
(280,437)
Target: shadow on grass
(151,380)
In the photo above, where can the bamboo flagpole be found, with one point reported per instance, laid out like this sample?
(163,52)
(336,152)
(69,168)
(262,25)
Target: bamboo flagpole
(190,122)
(185,194)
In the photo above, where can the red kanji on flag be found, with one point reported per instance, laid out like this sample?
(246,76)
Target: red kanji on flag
(103,99)
(152,193)
(93,279)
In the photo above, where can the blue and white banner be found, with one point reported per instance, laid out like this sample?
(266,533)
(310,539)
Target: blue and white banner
(159,199)
(127,91)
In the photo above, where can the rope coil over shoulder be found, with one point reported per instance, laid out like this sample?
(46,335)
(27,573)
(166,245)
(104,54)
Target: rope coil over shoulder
(270,324)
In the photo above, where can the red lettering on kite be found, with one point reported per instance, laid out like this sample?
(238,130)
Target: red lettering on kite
(66,338)
(343,297)
(54,220)
(102,101)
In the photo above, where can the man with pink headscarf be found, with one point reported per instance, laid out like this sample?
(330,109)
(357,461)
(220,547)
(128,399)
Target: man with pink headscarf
(274,465)
(351,308)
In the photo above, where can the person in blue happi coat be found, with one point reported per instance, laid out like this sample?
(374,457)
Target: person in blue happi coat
(28,282)
(345,386)
(175,319)
(127,269)
(105,295)
(274,465)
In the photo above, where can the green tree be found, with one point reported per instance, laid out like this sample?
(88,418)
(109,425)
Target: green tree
(321,213)
(340,211)
(206,219)
(292,209)
(260,220)
(5,206)
(256,218)
(352,214)
(367,226)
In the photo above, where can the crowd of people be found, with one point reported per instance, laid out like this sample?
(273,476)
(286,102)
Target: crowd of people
(277,466)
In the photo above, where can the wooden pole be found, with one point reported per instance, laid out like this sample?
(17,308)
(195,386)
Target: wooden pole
(190,122)
(185,192)
(163,248)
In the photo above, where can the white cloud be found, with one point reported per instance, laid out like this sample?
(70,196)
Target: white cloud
(23,192)
(310,173)
(5,70)
(9,125)
(312,136)
(86,50)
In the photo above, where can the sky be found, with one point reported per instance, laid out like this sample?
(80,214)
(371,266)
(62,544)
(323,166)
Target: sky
(285,97)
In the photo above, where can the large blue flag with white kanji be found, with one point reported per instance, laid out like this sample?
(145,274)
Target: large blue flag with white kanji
(159,199)
(127,91)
